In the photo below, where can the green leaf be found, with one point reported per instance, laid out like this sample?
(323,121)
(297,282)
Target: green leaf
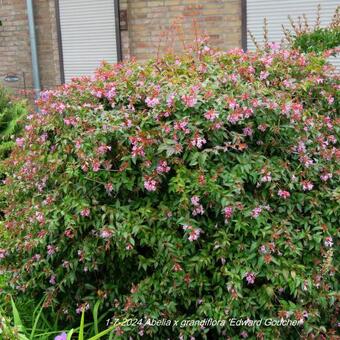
(82,324)
(101,334)
(69,334)
(95,316)
(16,317)
(35,323)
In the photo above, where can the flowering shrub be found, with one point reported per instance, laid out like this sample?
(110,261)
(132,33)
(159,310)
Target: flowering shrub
(194,187)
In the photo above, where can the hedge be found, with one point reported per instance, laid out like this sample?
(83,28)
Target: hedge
(193,187)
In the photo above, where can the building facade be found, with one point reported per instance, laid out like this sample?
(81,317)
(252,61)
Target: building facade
(73,36)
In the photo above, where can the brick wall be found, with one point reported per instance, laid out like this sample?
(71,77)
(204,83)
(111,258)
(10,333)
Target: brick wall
(15,50)
(14,43)
(153,27)
(156,26)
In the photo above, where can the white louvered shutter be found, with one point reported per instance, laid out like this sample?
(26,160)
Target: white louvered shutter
(88,34)
(277,12)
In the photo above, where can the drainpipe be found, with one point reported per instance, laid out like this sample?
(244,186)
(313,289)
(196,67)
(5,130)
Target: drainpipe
(34,53)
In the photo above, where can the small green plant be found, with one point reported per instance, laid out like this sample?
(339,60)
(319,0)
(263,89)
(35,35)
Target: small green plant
(314,38)
(11,114)
(318,41)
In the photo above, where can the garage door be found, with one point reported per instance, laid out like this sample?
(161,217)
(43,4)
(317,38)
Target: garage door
(88,35)
(277,12)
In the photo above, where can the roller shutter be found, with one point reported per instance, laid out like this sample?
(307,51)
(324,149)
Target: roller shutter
(88,35)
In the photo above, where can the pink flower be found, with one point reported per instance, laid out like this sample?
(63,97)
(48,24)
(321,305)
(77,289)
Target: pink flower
(307,185)
(163,167)
(193,233)
(95,165)
(109,187)
(195,200)
(110,93)
(289,83)
(264,75)
(150,184)
(85,212)
(297,108)
(251,69)
(306,161)
(328,242)
(182,126)
(40,217)
(244,335)
(228,213)
(274,46)
(232,104)
(234,117)
(284,194)
(97,93)
(70,121)
(102,149)
(326,176)
(248,131)
(36,257)
(198,141)
(3,253)
(319,80)
(217,126)
(138,150)
(106,233)
(250,278)
(263,249)
(328,121)
(332,139)
(51,249)
(20,142)
(45,95)
(28,128)
(83,307)
(256,212)
(330,100)
(199,210)
(171,99)
(189,101)
(301,147)
(266,177)
(262,127)
(81,255)
(151,102)
(69,233)
(52,280)
(129,246)
(211,115)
